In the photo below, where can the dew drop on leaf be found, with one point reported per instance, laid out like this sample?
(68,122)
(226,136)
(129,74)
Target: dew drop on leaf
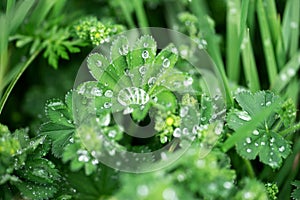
(248,140)
(166,63)
(142,70)
(255,132)
(183,111)
(112,133)
(145,54)
(281,149)
(99,63)
(151,81)
(108,93)
(188,81)
(96,92)
(177,132)
(244,116)
(249,150)
(107,105)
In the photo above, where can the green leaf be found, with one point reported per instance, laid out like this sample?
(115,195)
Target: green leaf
(296,192)
(262,141)
(167,100)
(101,70)
(60,127)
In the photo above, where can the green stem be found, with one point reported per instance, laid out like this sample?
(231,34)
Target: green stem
(290,129)
(249,168)
(127,14)
(16,78)
(141,15)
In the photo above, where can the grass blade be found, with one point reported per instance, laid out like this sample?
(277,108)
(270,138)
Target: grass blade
(267,42)
(18,16)
(287,73)
(249,64)
(290,26)
(199,9)
(40,12)
(232,44)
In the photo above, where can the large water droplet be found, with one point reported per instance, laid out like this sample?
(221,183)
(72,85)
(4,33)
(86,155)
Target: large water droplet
(133,95)
(244,116)
(166,63)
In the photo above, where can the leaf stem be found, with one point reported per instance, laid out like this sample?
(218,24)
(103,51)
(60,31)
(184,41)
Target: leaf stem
(290,129)
(141,15)
(249,168)
(16,78)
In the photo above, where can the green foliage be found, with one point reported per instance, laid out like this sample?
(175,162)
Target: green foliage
(272,190)
(296,192)
(264,140)
(23,167)
(91,30)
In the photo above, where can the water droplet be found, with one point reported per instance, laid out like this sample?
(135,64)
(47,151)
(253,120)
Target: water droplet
(184,111)
(244,116)
(188,81)
(248,195)
(185,131)
(291,72)
(99,63)
(107,105)
(95,162)
(83,158)
(268,103)
(294,25)
(203,119)
(151,81)
(263,143)
(108,93)
(166,63)
(154,98)
(249,150)
(248,140)
(227,185)
(142,70)
(163,156)
(255,132)
(283,77)
(256,144)
(281,149)
(123,50)
(272,140)
(112,133)
(163,139)
(96,91)
(145,44)
(142,190)
(145,54)
(177,132)
(169,194)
